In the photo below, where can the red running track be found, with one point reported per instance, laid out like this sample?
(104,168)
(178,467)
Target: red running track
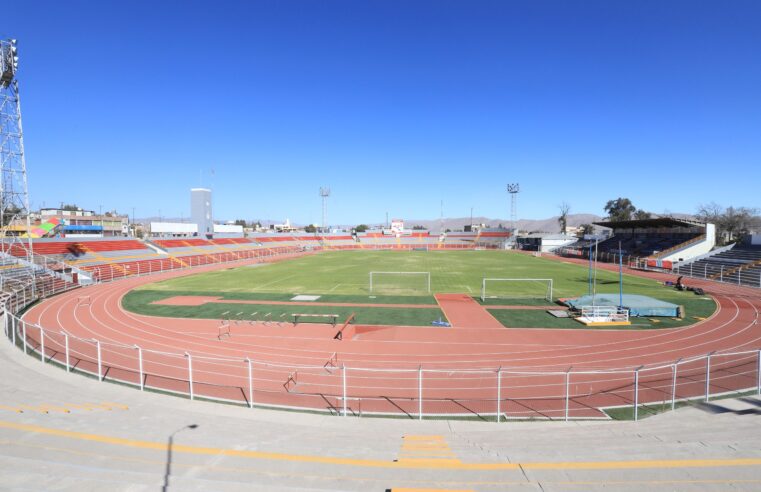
(475,371)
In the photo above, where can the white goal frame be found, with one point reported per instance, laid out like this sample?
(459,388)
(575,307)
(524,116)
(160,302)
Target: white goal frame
(427,274)
(547,295)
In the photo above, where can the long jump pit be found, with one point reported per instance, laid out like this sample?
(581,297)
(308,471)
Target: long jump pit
(463,311)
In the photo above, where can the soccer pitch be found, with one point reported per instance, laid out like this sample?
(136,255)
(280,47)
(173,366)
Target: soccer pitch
(343,277)
(346,273)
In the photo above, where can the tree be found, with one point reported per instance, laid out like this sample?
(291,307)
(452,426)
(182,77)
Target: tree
(310,228)
(731,224)
(361,228)
(620,209)
(585,229)
(241,222)
(70,207)
(418,228)
(642,215)
(563,219)
(9,213)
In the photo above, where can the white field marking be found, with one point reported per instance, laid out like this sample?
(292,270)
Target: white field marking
(274,282)
(334,288)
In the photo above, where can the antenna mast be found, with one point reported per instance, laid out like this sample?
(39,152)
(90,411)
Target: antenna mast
(513,190)
(14,194)
(324,193)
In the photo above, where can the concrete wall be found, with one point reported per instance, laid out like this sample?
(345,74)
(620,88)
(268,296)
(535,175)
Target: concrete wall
(200,210)
(553,244)
(696,249)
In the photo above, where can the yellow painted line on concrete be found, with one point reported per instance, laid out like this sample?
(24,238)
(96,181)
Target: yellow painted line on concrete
(34,409)
(344,477)
(54,408)
(111,404)
(83,406)
(426,449)
(434,464)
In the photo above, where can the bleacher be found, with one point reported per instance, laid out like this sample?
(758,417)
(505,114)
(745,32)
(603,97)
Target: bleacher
(739,265)
(644,244)
(79,252)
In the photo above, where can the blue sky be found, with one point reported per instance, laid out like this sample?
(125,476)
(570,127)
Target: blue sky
(396,105)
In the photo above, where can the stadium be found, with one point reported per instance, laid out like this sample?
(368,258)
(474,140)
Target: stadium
(622,352)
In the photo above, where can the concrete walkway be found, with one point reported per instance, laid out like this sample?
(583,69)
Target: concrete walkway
(66,432)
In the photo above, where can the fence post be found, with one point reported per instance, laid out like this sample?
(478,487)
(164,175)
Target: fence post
(66,344)
(499,393)
(190,374)
(42,345)
(721,279)
(250,384)
(100,361)
(758,374)
(690,269)
(23,334)
(140,366)
(673,383)
(343,391)
(708,374)
(567,386)
(420,392)
(13,327)
(636,393)
(705,270)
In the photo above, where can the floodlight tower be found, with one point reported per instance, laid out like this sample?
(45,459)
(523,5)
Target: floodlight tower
(513,189)
(324,193)
(14,194)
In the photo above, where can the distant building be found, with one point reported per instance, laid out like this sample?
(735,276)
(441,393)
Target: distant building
(173,229)
(200,211)
(83,223)
(228,230)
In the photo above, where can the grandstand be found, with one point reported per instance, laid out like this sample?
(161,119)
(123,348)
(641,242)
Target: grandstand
(737,264)
(664,239)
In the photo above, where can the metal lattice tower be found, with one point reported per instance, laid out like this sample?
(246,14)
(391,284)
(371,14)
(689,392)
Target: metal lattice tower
(14,193)
(324,193)
(513,190)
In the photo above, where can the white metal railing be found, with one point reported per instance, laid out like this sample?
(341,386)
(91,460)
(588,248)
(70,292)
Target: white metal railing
(493,393)
(497,393)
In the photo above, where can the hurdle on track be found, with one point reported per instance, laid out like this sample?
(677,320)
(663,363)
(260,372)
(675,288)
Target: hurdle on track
(224,329)
(340,333)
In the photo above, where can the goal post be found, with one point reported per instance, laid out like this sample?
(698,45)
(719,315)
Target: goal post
(400,281)
(516,288)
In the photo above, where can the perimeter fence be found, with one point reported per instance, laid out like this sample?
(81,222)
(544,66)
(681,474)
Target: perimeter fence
(325,383)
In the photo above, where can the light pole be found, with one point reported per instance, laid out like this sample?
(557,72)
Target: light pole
(168,471)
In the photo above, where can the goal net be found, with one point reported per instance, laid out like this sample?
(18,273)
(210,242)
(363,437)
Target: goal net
(516,288)
(400,282)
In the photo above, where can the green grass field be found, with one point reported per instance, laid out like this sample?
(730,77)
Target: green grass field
(344,277)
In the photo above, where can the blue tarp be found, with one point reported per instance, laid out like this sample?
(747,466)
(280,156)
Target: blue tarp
(638,305)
